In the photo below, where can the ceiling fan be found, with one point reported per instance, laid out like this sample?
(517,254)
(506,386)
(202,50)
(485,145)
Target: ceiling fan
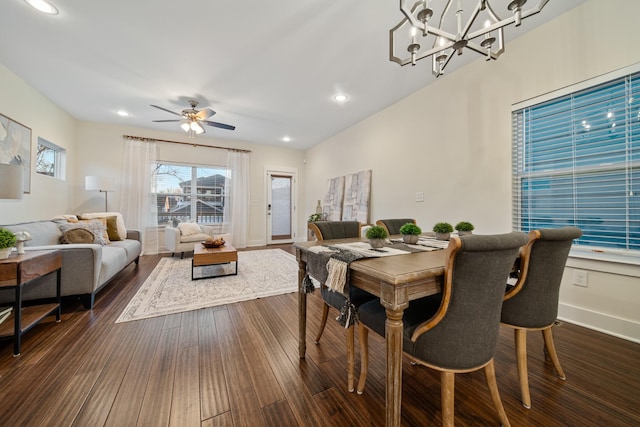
(192,119)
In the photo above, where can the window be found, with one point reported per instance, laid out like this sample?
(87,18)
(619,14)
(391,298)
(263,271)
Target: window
(185,193)
(576,161)
(50,159)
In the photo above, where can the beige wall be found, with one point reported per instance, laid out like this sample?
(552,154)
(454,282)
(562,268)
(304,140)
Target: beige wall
(25,105)
(452,141)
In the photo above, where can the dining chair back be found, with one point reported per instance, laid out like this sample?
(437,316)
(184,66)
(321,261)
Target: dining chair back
(327,230)
(532,304)
(393,225)
(456,331)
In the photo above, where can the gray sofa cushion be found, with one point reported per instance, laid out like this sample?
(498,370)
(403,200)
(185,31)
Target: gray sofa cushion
(43,233)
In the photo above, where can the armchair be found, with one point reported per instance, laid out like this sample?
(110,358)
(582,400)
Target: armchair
(183,238)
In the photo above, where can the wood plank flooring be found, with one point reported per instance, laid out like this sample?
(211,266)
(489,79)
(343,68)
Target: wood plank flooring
(237,365)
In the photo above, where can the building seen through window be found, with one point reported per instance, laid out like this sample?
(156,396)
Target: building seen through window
(189,193)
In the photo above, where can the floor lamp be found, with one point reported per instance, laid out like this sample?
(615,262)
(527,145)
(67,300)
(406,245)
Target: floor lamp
(11,179)
(101,184)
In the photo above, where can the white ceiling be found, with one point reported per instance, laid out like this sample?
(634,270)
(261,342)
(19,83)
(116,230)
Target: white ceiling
(270,68)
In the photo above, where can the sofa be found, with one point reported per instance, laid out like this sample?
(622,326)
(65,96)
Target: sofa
(184,236)
(86,267)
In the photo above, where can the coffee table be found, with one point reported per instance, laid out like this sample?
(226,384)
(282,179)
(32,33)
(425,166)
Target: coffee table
(203,257)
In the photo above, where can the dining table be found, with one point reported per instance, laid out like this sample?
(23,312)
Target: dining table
(396,280)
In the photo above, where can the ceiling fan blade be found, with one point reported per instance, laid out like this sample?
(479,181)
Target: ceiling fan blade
(168,111)
(218,125)
(205,114)
(163,121)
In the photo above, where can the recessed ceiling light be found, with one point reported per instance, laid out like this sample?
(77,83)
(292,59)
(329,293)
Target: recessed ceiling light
(286,139)
(43,6)
(341,97)
(122,113)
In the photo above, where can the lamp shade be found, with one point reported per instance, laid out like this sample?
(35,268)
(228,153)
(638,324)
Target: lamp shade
(97,183)
(11,181)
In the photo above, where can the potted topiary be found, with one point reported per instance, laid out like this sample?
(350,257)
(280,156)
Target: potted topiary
(7,240)
(464,227)
(377,236)
(410,233)
(443,230)
(315,217)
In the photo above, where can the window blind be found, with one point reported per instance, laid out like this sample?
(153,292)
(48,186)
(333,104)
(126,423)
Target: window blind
(576,161)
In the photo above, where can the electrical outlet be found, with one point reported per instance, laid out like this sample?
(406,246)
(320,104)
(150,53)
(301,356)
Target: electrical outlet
(580,278)
(419,196)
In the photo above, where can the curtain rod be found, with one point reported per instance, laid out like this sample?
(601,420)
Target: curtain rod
(193,144)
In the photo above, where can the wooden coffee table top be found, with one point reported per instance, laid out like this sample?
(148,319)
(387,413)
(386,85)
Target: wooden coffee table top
(208,256)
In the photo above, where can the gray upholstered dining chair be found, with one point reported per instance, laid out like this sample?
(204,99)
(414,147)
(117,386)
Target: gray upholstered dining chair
(393,225)
(327,230)
(456,331)
(532,304)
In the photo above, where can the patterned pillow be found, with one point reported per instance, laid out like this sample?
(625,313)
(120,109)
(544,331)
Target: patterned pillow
(78,235)
(102,221)
(96,227)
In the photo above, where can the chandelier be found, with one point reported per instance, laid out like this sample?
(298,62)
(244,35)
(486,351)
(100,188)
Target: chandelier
(440,33)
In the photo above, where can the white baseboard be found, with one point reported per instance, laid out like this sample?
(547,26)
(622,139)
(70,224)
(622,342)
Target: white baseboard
(605,323)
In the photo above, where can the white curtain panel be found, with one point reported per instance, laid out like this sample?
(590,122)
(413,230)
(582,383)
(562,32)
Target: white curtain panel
(137,203)
(236,206)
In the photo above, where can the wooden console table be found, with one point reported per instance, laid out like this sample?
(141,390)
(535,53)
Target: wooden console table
(19,271)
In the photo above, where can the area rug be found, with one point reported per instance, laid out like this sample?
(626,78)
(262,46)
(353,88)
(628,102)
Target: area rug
(169,288)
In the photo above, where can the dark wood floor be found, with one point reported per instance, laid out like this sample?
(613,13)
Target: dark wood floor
(238,365)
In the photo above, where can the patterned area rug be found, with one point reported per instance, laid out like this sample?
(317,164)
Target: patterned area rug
(169,288)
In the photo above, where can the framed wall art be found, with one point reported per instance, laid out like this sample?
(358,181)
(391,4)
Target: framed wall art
(15,147)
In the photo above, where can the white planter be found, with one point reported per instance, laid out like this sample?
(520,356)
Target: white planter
(376,243)
(411,239)
(443,236)
(4,253)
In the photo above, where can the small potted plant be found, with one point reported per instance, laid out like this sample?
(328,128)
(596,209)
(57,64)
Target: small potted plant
(377,236)
(464,227)
(7,240)
(315,217)
(410,233)
(443,230)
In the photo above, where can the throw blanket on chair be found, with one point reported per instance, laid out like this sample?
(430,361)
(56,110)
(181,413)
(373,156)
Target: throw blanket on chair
(330,266)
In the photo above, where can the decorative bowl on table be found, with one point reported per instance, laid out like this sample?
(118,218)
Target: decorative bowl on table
(216,243)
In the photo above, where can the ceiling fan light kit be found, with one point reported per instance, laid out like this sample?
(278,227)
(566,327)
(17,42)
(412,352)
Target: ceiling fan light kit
(192,120)
(438,32)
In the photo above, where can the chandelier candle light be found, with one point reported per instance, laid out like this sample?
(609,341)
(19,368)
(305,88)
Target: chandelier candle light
(439,32)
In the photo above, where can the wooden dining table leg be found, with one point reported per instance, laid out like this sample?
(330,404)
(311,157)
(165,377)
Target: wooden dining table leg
(395,300)
(302,309)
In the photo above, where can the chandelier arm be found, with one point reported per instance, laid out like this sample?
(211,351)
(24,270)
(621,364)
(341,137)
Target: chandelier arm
(408,13)
(470,22)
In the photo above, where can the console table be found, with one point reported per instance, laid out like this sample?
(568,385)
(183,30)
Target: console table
(17,272)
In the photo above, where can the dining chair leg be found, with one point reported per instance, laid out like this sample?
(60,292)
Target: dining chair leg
(323,322)
(447,390)
(350,356)
(549,345)
(363,336)
(490,376)
(521,358)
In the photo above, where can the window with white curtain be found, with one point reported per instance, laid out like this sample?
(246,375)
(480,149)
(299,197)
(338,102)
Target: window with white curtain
(576,161)
(189,193)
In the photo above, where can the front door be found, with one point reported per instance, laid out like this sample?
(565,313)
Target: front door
(280,207)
